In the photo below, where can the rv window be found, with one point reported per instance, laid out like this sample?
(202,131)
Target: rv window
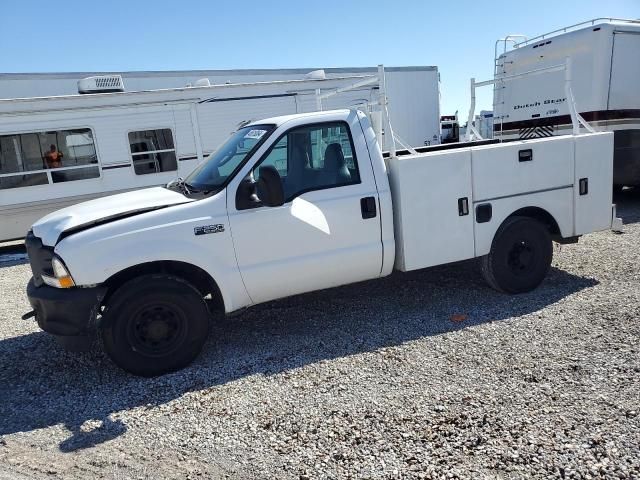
(68,154)
(31,153)
(78,147)
(15,181)
(153,151)
(71,175)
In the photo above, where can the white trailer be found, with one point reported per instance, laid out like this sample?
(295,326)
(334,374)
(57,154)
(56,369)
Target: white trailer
(113,142)
(605,73)
(300,203)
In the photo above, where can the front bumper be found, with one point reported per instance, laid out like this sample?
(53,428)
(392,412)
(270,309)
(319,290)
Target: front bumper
(65,311)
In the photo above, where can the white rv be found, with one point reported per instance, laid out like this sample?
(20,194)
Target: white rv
(59,150)
(605,76)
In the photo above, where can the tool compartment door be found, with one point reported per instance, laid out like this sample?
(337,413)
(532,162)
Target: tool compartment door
(519,168)
(432,202)
(593,182)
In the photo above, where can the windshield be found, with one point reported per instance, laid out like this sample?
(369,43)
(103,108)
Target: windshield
(223,163)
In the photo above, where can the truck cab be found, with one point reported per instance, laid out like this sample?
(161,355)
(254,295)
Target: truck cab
(300,203)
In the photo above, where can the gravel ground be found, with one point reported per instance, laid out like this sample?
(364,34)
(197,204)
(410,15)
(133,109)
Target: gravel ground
(421,375)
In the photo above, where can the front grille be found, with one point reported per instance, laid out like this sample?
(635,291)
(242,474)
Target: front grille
(39,258)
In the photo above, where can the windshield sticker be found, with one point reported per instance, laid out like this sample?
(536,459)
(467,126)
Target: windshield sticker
(255,134)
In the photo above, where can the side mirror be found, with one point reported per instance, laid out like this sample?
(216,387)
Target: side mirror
(246,196)
(269,185)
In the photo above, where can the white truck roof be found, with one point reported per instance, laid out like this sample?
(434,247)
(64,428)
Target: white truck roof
(282,119)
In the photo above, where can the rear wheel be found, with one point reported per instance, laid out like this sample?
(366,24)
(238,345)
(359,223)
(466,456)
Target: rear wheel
(520,256)
(155,324)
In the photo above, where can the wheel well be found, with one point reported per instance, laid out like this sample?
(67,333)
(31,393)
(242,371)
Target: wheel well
(541,215)
(196,276)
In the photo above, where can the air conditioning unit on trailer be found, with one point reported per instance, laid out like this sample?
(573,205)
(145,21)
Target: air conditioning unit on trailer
(101,84)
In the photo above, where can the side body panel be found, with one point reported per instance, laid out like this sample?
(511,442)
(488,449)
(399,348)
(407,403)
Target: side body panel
(550,181)
(544,174)
(427,190)
(519,167)
(558,203)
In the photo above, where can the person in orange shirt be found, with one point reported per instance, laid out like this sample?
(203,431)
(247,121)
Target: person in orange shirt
(53,158)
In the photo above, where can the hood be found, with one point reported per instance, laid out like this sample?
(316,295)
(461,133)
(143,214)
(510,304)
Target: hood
(102,210)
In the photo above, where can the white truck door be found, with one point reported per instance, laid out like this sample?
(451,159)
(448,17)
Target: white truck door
(327,233)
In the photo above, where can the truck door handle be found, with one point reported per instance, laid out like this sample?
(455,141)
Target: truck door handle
(583,185)
(463,206)
(368,207)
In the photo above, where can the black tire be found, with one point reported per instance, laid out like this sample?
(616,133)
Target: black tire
(155,324)
(520,256)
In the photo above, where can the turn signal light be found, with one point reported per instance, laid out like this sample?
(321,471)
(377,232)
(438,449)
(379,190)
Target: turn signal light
(61,277)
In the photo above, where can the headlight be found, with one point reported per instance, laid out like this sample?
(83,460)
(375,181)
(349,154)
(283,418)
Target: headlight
(61,276)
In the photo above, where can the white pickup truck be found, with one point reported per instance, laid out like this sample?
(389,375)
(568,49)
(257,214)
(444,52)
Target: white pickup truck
(299,203)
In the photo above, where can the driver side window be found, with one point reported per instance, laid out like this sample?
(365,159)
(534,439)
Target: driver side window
(313,158)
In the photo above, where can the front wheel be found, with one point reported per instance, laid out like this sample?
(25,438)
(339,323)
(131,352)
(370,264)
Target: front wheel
(520,256)
(155,324)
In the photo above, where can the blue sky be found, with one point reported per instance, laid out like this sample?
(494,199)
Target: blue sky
(115,35)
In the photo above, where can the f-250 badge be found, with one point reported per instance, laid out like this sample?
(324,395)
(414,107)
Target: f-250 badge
(206,229)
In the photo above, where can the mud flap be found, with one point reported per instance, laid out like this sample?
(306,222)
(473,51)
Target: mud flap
(616,222)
